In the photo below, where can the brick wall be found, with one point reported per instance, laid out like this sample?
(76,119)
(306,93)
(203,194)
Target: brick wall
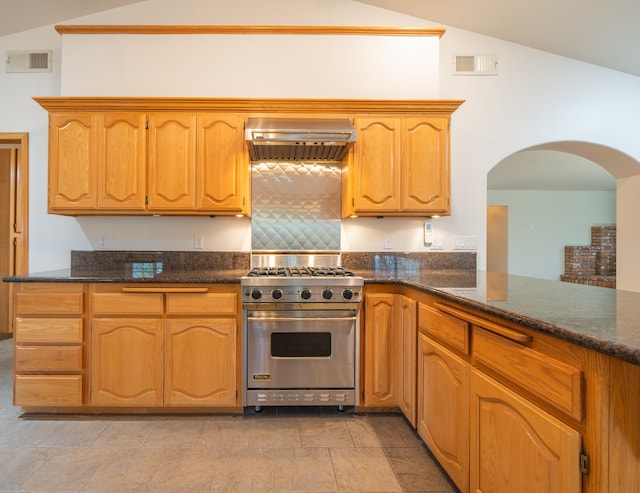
(595,264)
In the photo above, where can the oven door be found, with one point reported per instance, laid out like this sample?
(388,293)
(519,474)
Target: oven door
(300,349)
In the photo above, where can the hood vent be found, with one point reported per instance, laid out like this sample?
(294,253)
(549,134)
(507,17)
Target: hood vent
(299,139)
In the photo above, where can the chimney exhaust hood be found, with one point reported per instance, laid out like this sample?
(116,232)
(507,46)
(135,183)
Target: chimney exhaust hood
(299,139)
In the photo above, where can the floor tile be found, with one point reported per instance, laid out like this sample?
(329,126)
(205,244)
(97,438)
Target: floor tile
(363,469)
(280,450)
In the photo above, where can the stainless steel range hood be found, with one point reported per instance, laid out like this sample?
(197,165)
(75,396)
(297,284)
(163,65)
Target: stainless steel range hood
(299,139)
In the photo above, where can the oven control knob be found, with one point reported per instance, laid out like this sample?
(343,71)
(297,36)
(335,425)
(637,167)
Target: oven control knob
(256,294)
(347,294)
(327,294)
(305,294)
(276,294)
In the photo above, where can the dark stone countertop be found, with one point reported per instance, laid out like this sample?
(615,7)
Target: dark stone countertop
(603,319)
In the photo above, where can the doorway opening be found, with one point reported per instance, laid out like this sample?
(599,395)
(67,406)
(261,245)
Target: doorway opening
(14,214)
(555,193)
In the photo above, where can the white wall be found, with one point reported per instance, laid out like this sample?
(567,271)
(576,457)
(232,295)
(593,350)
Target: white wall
(536,98)
(542,223)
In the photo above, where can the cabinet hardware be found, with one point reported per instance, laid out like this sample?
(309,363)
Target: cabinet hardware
(165,290)
(510,334)
(584,462)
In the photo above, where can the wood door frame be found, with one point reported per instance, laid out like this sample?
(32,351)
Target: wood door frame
(20,182)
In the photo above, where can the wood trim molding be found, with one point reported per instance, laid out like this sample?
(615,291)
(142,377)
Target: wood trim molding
(248,105)
(313,30)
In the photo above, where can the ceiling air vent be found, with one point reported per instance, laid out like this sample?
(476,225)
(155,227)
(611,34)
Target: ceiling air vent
(28,61)
(475,65)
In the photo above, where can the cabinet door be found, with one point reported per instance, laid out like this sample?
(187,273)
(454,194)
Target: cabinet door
(201,362)
(443,408)
(377,167)
(127,362)
(515,446)
(122,161)
(380,351)
(425,164)
(72,161)
(407,324)
(223,164)
(172,161)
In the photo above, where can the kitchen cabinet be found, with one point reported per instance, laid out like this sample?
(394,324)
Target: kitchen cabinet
(503,409)
(163,346)
(443,392)
(516,446)
(407,324)
(381,351)
(172,161)
(121,161)
(390,353)
(223,179)
(399,166)
(49,344)
(127,361)
(142,162)
(73,154)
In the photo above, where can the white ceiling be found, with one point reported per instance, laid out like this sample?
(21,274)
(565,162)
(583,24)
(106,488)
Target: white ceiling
(549,170)
(600,32)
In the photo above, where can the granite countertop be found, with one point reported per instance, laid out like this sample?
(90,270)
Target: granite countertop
(603,319)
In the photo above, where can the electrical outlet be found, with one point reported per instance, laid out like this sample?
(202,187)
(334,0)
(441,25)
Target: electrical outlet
(198,242)
(102,242)
(437,243)
(387,242)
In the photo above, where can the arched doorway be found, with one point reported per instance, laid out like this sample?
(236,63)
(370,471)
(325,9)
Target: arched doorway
(14,217)
(555,189)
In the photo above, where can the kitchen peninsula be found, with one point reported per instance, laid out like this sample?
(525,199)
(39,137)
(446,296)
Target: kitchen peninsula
(547,370)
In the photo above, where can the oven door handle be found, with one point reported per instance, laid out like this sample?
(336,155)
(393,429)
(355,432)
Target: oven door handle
(301,319)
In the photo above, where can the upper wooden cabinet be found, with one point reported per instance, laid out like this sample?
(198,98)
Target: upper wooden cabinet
(121,161)
(73,154)
(172,161)
(147,163)
(399,167)
(187,156)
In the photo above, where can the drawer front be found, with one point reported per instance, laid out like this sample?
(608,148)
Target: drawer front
(448,329)
(551,380)
(39,303)
(127,303)
(48,358)
(201,303)
(48,330)
(48,390)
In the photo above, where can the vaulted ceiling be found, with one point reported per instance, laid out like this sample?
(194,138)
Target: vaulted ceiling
(599,32)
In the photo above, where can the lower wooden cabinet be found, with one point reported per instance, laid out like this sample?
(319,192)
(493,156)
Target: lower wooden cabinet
(516,446)
(49,350)
(184,355)
(443,408)
(200,365)
(127,361)
(381,351)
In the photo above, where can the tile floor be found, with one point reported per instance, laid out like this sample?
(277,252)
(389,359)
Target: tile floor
(278,450)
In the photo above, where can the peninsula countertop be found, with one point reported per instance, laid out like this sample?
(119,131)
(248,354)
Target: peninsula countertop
(603,319)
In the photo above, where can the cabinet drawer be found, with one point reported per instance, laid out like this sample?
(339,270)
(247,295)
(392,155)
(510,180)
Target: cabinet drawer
(448,329)
(127,303)
(201,303)
(48,303)
(553,381)
(48,358)
(48,330)
(48,390)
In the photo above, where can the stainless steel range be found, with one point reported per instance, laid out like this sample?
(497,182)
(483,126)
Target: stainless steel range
(301,332)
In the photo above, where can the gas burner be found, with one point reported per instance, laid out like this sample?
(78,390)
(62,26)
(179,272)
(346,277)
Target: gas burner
(310,271)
